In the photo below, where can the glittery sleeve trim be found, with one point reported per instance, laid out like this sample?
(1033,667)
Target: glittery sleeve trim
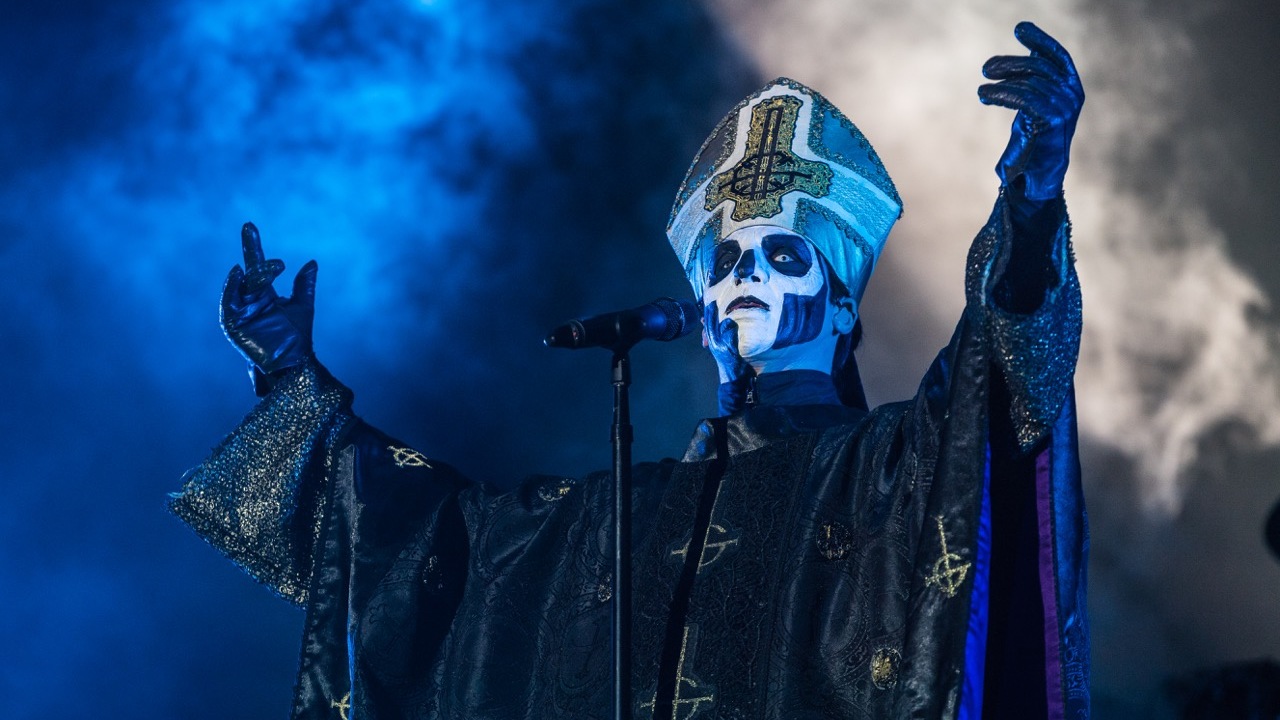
(1036,351)
(257,498)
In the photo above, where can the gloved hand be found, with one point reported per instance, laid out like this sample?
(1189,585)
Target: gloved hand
(273,333)
(1045,90)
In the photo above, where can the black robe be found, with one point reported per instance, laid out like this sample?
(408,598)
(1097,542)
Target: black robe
(925,559)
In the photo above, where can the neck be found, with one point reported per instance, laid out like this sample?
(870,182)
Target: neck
(788,387)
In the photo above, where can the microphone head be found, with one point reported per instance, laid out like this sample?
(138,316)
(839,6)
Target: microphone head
(662,319)
(679,316)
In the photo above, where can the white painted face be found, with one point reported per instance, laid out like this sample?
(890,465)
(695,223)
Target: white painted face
(766,304)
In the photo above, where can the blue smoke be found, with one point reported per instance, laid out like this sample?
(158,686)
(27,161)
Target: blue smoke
(467,174)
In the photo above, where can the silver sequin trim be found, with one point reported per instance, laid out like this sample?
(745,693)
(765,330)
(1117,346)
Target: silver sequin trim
(1037,351)
(258,497)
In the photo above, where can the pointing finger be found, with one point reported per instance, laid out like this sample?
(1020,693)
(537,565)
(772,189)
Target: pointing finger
(251,244)
(258,271)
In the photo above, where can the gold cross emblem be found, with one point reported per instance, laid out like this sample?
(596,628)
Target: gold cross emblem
(343,705)
(947,577)
(408,457)
(691,694)
(712,551)
(769,169)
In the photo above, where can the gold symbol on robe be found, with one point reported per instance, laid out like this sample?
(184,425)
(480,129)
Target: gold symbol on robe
(769,169)
(343,705)
(555,489)
(712,551)
(691,694)
(408,457)
(884,668)
(834,540)
(947,577)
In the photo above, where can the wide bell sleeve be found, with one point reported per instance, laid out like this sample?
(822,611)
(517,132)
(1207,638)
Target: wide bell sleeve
(1028,612)
(1035,349)
(998,533)
(258,498)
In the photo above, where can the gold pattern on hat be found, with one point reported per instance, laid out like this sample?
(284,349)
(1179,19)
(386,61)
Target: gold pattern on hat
(769,169)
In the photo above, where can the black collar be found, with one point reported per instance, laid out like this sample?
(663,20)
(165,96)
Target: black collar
(759,425)
(789,387)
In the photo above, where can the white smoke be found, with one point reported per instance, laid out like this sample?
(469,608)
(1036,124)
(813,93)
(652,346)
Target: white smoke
(1172,346)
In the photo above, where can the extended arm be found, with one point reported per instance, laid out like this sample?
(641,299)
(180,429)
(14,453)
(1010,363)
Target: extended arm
(1021,267)
(266,491)
(1044,87)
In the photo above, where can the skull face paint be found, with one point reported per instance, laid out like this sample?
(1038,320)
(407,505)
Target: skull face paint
(765,303)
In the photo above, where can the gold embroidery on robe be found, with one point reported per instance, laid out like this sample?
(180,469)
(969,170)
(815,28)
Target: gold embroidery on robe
(946,576)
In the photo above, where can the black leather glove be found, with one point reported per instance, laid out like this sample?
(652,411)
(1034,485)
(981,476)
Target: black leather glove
(271,332)
(1045,90)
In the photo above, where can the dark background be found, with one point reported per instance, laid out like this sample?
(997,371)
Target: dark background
(468,174)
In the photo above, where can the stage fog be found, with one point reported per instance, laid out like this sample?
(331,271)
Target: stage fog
(469,174)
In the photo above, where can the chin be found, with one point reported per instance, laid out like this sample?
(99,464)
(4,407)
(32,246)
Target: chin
(756,326)
(750,348)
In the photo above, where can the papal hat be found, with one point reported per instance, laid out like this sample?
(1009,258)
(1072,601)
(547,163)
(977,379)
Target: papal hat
(786,157)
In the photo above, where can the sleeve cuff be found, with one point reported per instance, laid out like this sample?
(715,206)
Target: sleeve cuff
(258,497)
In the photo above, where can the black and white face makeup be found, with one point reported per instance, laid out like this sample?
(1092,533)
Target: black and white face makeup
(766,304)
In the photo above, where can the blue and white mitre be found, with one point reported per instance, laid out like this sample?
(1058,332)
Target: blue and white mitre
(786,157)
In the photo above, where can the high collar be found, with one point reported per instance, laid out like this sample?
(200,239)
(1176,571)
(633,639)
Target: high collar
(789,387)
(760,425)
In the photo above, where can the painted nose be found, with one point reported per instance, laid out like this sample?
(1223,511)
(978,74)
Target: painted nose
(746,267)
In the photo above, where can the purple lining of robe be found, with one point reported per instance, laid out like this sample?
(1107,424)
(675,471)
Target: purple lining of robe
(1049,585)
(975,646)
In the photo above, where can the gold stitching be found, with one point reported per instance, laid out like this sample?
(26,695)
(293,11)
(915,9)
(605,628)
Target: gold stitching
(945,576)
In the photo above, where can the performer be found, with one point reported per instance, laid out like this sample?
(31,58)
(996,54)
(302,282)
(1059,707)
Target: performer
(807,558)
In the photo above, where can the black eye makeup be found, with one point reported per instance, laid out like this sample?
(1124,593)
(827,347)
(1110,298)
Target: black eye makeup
(725,258)
(788,254)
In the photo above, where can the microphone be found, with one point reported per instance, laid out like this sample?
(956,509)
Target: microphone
(663,319)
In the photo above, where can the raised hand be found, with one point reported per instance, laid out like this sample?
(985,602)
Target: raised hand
(1045,89)
(272,332)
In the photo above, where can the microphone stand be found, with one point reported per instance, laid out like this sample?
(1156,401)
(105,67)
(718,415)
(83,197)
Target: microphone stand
(662,319)
(621,535)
